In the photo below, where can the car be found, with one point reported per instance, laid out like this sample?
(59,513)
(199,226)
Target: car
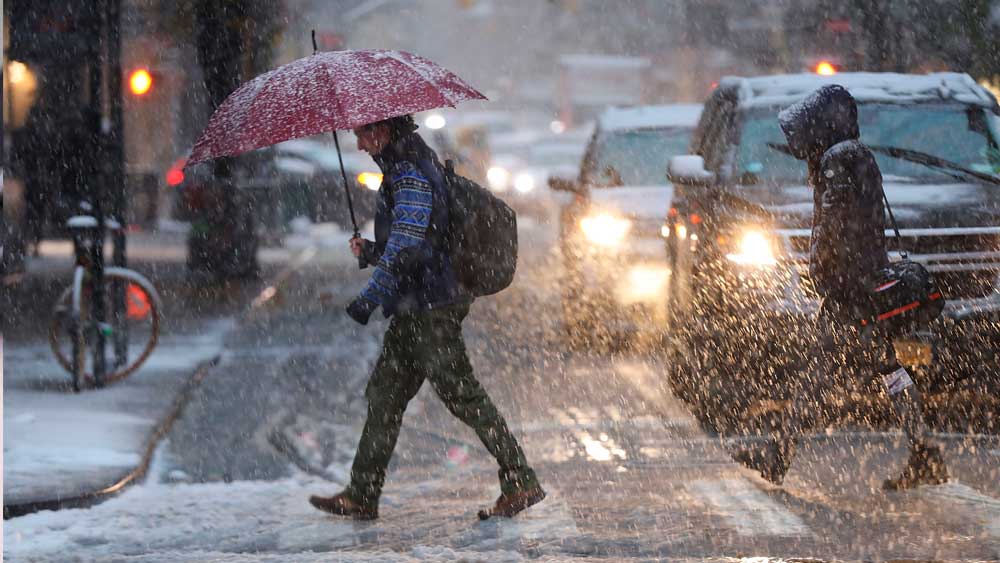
(327,185)
(609,230)
(465,137)
(738,234)
(297,178)
(520,175)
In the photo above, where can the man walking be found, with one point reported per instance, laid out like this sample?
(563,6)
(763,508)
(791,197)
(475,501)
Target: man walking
(414,283)
(847,250)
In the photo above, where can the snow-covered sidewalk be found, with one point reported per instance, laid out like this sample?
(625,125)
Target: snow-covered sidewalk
(60,446)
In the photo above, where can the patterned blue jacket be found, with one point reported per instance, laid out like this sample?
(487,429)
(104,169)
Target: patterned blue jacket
(411,272)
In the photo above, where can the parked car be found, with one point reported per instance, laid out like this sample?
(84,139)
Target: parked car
(615,269)
(327,185)
(740,223)
(298,178)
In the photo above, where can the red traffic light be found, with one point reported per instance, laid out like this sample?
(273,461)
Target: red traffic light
(140,82)
(175,175)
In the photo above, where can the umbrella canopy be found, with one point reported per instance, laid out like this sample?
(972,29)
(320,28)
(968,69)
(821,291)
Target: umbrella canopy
(324,92)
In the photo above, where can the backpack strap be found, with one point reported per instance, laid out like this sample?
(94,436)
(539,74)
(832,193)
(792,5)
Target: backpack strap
(895,227)
(436,234)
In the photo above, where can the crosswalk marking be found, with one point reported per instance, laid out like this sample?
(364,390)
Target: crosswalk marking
(747,509)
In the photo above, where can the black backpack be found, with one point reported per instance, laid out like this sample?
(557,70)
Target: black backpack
(481,239)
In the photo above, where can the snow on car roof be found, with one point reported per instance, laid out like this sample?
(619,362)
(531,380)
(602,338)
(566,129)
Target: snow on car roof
(785,89)
(649,117)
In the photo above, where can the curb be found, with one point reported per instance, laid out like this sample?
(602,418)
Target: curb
(91,498)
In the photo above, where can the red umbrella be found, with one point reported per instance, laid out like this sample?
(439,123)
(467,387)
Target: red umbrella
(325,92)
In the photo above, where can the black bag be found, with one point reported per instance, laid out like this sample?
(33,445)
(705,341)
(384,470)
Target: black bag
(903,296)
(481,238)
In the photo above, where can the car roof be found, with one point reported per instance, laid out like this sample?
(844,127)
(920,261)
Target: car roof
(649,117)
(886,87)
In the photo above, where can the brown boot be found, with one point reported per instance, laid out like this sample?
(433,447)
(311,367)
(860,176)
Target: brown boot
(342,505)
(925,467)
(508,505)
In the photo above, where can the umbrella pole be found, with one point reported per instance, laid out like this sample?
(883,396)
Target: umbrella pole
(347,190)
(362,263)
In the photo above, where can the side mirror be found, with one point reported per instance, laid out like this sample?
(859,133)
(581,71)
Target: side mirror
(563,184)
(689,170)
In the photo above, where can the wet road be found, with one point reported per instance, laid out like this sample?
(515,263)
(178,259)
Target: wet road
(630,473)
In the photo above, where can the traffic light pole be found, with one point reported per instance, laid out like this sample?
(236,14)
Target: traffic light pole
(115,179)
(95,185)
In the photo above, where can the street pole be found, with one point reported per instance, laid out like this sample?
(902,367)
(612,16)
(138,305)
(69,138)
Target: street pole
(115,179)
(90,169)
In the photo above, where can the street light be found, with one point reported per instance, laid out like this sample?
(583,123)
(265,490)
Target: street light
(20,84)
(140,82)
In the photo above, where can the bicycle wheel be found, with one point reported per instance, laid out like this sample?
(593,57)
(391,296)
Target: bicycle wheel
(71,340)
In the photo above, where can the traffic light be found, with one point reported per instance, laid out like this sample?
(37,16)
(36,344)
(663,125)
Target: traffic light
(140,82)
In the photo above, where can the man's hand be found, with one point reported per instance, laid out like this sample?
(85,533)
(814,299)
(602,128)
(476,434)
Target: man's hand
(361,309)
(357,246)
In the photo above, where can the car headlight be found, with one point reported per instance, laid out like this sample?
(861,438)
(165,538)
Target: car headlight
(370,180)
(497,176)
(524,182)
(605,229)
(754,248)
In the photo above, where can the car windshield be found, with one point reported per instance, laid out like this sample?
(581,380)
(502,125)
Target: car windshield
(963,135)
(635,157)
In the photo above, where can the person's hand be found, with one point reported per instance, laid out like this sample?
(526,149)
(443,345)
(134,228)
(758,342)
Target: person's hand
(357,246)
(361,309)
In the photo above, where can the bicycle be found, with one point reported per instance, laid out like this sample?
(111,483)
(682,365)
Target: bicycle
(81,331)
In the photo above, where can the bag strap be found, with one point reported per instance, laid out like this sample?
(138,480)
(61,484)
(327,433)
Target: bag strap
(438,238)
(895,227)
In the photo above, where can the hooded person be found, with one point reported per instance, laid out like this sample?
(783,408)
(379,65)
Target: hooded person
(847,250)
(414,283)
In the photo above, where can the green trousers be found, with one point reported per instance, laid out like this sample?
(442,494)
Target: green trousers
(429,345)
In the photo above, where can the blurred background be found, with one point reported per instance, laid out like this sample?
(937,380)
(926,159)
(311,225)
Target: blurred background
(103,99)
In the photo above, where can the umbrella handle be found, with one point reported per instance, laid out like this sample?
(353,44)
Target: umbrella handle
(362,262)
(347,188)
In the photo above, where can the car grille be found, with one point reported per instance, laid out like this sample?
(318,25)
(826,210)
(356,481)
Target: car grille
(966,285)
(934,244)
(930,244)
(965,262)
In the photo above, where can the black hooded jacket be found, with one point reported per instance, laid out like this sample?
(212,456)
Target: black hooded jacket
(848,245)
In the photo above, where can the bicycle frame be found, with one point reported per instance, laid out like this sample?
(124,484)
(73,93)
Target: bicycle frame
(88,248)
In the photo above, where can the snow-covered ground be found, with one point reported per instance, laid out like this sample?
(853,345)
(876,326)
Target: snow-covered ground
(230,522)
(57,443)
